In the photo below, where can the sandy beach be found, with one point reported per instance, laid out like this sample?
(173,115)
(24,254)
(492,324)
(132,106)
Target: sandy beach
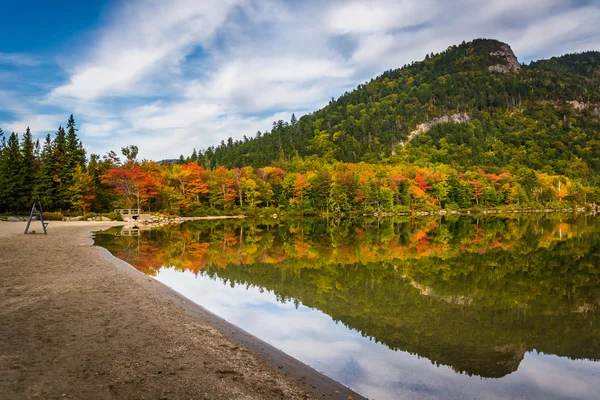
(78,323)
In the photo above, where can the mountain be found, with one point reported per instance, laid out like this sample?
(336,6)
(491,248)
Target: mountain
(471,106)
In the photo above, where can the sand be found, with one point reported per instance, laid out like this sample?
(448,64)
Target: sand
(77,323)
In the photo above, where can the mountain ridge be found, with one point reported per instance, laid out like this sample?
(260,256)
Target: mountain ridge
(510,106)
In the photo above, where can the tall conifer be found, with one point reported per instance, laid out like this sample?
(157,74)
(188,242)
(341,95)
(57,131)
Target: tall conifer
(29,169)
(63,178)
(12,170)
(47,178)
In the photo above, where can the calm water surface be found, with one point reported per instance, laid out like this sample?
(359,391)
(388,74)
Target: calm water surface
(451,308)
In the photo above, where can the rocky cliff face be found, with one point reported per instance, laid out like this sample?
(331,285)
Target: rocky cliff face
(458,118)
(580,106)
(511,64)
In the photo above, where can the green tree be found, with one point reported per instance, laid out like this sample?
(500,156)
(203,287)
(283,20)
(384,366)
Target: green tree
(12,166)
(61,173)
(386,197)
(130,152)
(29,169)
(46,186)
(83,190)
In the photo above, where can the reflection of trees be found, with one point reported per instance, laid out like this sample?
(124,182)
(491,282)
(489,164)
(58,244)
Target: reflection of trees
(468,293)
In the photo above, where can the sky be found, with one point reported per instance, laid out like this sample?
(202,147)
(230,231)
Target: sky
(170,76)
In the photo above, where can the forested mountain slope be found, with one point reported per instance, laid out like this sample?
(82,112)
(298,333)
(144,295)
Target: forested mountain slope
(543,116)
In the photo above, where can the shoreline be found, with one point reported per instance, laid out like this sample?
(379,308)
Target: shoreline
(308,376)
(81,323)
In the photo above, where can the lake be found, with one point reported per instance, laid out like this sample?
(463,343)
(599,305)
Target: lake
(454,307)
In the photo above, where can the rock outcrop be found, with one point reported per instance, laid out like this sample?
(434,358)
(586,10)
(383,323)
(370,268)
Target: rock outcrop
(427,291)
(580,106)
(577,105)
(458,118)
(511,64)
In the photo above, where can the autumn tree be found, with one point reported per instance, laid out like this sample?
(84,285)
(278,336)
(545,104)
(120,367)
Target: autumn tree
(133,184)
(477,190)
(82,190)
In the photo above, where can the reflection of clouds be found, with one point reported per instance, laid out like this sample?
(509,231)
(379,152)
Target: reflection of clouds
(557,375)
(371,368)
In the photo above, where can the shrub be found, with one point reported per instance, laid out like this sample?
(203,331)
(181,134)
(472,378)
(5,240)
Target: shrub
(89,215)
(203,211)
(114,216)
(53,216)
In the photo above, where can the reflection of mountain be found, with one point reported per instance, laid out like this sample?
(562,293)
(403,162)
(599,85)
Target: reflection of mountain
(471,294)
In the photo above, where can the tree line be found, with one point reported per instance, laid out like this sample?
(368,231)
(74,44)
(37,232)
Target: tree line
(59,175)
(52,173)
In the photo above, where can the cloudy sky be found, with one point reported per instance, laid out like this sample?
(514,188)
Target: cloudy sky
(169,76)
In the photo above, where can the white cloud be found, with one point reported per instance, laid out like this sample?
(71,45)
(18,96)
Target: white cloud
(40,124)
(247,85)
(560,31)
(362,17)
(146,37)
(99,130)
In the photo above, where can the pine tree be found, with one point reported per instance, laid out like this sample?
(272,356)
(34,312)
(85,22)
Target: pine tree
(12,192)
(293,120)
(29,168)
(46,186)
(60,149)
(75,150)
(74,156)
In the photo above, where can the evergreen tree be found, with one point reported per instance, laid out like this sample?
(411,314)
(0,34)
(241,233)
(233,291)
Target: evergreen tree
(74,146)
(12,192)
(293,120)
(29,168)
(105,195)
(61,173)
(46,186)
(74,156)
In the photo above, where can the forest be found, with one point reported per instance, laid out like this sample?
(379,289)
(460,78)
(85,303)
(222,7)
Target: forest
(59,176)
(527,140)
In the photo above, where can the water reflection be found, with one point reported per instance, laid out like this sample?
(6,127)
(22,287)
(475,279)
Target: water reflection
(402,309)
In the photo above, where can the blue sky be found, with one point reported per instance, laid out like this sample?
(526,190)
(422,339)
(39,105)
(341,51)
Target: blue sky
(169,76)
